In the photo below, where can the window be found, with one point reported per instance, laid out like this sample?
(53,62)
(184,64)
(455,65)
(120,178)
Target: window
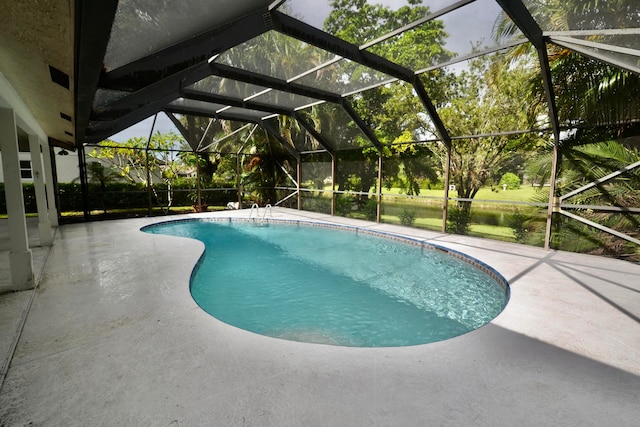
(25,169)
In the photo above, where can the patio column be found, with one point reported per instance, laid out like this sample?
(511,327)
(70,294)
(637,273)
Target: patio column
(20,260)
(49,186)
(44,226)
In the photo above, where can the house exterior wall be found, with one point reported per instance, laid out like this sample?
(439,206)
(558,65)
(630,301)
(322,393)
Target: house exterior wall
(67,167)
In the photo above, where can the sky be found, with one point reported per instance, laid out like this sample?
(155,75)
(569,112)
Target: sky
(142,129)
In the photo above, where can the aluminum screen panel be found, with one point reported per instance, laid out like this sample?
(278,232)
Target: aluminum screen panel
(373,106)
(227,87)
(284,99)
(336,127)
(201,106)
(105,97)
(483,98)
(142,27)
(344,77)
(316,12)
(586,15)
(274,54)
(458,33)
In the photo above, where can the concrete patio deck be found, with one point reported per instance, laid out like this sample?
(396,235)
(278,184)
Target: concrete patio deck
(113,337)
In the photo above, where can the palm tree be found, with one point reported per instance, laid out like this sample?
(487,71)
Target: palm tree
(587,163)
(97,173)
(588,92)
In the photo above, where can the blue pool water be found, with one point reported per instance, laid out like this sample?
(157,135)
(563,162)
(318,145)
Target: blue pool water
(341,287)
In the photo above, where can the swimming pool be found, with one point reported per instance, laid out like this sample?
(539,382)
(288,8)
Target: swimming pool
(335,285)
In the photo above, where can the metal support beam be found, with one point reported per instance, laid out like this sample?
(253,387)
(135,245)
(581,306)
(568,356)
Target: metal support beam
(418,22)
(313,36)
(600,180)
(443,133)
(233,102)
(223,115)
(598,55)
(603,47)
(181,56)
(44,226)
(101,130)
(600,227)
(168,88)
(146,95)
(447,182)
(333,184)
(472,55)
(147,169)
(299,179)
(50,183)
(371,136)
(250,77)
(92,31)
(227,136)
(182,129)
(84,184)
(555,126)
(380,176)
(274,133)
(553,201)
(318,38)
(520,15)
(309,128)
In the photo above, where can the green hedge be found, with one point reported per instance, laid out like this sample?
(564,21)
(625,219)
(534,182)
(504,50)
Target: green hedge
(121,195)
(29,194)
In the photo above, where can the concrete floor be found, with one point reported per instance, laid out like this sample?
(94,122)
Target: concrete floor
(113,337)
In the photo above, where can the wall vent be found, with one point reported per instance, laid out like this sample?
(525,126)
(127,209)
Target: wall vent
(59,77)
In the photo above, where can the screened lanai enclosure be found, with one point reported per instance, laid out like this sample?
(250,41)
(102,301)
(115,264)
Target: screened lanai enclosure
(509,119)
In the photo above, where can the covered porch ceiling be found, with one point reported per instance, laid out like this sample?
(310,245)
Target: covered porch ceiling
(37,53)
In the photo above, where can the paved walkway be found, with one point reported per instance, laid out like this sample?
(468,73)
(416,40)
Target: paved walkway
(113,337)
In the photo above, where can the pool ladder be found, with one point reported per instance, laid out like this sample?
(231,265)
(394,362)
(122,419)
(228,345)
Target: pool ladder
(255,207)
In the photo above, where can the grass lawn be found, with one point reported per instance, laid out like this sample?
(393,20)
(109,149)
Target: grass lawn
(481,230)
(523,194)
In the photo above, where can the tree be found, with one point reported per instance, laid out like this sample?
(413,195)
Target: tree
(393,111)
(97,173)
(491,96)
(588,91)
(138,162)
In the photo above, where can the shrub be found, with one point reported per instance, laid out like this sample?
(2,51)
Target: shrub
(407,217)
(518,223)
(458,220)
(371,209)
(511,180)
(343,205)
(29,196)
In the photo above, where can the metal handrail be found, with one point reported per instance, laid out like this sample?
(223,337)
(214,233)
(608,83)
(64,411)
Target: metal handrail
(255,205)
(267,208)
